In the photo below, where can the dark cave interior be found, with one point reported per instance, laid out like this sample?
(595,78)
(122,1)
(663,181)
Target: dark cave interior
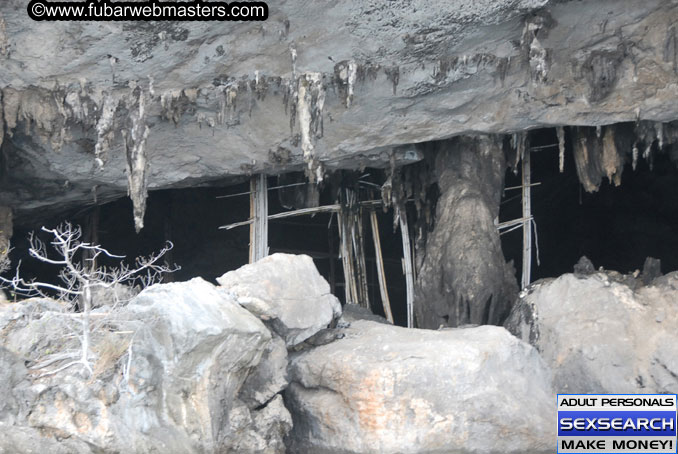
(615,227)
(190,219)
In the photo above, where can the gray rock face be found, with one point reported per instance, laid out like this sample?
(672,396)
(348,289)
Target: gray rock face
(286,292)
(269,377)
(600,336)
(463,277)
(389,74)
(167,376)
(388,389)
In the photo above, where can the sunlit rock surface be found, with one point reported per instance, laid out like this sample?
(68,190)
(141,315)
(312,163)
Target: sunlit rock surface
(601,334)
(390,389)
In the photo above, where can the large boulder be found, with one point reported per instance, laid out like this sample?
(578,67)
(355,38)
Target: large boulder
(600,336)
(287,292)
(389,389)
(167,371)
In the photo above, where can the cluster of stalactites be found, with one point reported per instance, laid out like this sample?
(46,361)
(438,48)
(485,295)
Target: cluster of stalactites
(603,151)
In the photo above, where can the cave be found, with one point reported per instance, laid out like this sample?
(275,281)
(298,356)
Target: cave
(617,227)
(298,227)
(190,219)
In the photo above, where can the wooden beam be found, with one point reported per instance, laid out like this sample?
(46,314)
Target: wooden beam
(359,252)
(527,221)
(301,212)
(381,274)
(350,291)
(407,267)
(331,257)
(259,218)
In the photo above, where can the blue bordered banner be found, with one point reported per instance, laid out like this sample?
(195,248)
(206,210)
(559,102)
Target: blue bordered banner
(617,423)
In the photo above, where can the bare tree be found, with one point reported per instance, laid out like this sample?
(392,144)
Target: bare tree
(80,279)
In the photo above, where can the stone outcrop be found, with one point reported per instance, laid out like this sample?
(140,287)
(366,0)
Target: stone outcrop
(603,332)
(389,389)
(287,293)
(168,372)
(344,87)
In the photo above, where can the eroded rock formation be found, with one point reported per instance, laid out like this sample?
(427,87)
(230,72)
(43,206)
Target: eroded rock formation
(463,277)
(311,87)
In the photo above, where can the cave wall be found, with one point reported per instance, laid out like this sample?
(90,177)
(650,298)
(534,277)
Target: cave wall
(463,277)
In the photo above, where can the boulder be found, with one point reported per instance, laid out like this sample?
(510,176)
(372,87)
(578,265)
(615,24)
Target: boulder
(167,370)
(354,312)
(389,389)
(598,335)
(260,431)
(269,378)
(286,292)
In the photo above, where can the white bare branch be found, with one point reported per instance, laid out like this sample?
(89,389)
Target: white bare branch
(79,279)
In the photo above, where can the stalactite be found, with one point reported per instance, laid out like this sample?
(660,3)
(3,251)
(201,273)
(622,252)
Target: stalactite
(560,131)
(105,128)
(587,157)
(518,143)
(310,104)
(137,164)
(659,132)
(613,161)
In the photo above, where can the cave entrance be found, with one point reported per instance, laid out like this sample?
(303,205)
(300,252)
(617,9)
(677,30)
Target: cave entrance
(616,227)
(342,225)
(190,218)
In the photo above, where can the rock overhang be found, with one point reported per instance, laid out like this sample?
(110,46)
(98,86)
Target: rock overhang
(222,100)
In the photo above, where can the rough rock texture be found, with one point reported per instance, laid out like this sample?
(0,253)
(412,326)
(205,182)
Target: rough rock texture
(463,277)
(269,377)
(600,336)
(335,85)
(286,292)
(388,389)
(192,347)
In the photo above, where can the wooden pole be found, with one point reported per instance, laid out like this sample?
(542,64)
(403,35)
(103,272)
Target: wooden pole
(407,267)
(330,241)
(259,217)
(350,290)
(527,221)
(301,212)
(381,274)
(360,258)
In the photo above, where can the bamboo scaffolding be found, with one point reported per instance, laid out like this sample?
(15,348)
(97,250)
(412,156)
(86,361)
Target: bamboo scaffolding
(350,288)
(331,257)
(381,274)
(258,218)
(521,186)
(301,212)
(407,268)
(359,245)
(527,218)
(228,196)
